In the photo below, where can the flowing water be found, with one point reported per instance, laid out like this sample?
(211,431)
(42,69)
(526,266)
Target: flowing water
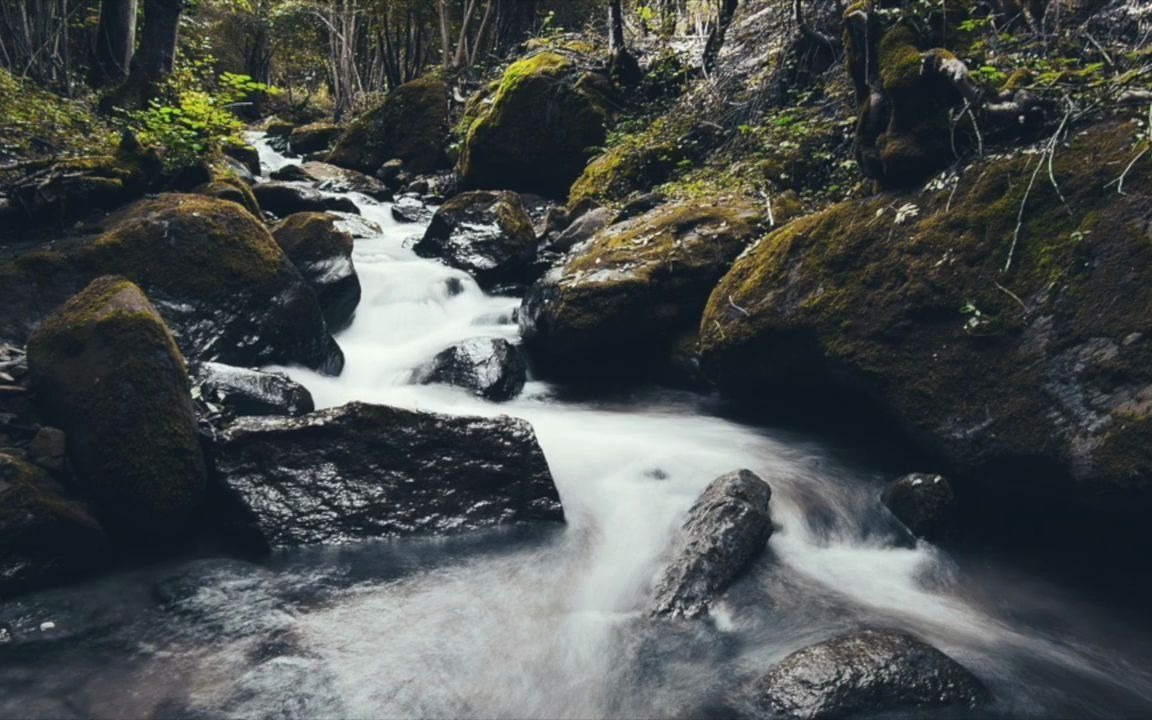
(550,622)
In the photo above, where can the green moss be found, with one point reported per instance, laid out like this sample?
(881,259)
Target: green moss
(410,124)
(38,124)
(312,237)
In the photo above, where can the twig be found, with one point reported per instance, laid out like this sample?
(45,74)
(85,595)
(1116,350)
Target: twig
(1020,215)
(733,304)
(1012,295)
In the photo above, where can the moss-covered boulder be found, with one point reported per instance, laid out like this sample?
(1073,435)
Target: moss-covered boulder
(246,155)
(322,252)
(536,131)
(225,185)
(486,234)
(45,536)
(411,124)
(313,137)
(214,272)
(107,371)
(1007,330)
(622,298)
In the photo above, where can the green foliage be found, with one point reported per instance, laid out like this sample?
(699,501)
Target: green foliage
(36,123)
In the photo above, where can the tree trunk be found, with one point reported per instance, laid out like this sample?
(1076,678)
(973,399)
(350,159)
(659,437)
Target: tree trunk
(716,37)
(154,58)
(115,42)
(615,26)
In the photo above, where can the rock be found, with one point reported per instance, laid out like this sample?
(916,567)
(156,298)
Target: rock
(282,199)
(213,271)
(620,301)
(726,529)
(291,173)
(252,392)
(322,252)
(924,503)
(411,210)
(492,368)
(49,449)
(419,186)
(534,132)
(224,599)
(362,471)
(226,186)
(486,234)
(240,170)
(45,536)
(341,180)
(275,127)
(389,173)
(248,158)
(866,673)
(107,371)
(581,229)
(641,204)
(410,125)
(314,137)
(1037,387)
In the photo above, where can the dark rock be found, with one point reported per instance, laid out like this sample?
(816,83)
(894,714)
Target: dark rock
(419,186)
(45,536)
(619,301)
(539,209)
(492,368)
(361,471)
(276,127)
(315,137)
(247,157)
(341,180)
(283,199)
(241,171)
(49,449)
(410,125)
(726,529)
(411,210)
(212,270)
(924,503)
(322,252)
(486,234)
(641,204)
(252,392)
(291,173)
(389,173)
(582,229)
(226,186)
(107,371)
(866,672)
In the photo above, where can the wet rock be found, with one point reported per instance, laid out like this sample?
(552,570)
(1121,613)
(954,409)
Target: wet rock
(226,186)
(534,132)
(924,503)
(726,529)
(242,171)
(247,158)
(582,229)
(45,535)
(362,471)
(322,252)
(410,209)
(213,271)
(419,186)
(341,180)
(49,449)
(314,137)
(486,234)
(619,301)
(492,368)
(866,673)
(291,173)
(411,125)
(283,199)
(108,372)
(390,173)
(251,392)
(641,204)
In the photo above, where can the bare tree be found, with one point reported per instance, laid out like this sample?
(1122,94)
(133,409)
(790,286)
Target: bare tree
(114,44)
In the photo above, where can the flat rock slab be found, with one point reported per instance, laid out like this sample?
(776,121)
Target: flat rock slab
(361,471)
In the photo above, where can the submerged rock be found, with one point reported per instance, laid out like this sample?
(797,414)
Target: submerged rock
(492,368)
(212,270)
(282,199)
(107,371)
(865,673)
(252,392)
(486,234)
(362,471)
(411,125)
(924,503)
(322,251)
(726,529)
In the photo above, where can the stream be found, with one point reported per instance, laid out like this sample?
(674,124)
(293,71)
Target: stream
(550,622)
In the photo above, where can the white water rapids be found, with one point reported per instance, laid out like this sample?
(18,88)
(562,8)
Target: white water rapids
(552,624)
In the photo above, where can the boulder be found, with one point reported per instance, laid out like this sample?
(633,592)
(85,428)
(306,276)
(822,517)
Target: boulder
(924,503)
(247,157)
(411,125)
(341,180)
(107,371)
(535,131)
(282,199)
(251,392)
(212,270)
(361,471)
(240,170)
(314,137)
(391,172)
(726,529)
(492,368)
(49,449)
(1016,346)
(486,234)
(227,186)
(620,301)
(45,536)
(275,127)
(581,229)
(865,673)
(322,251)
(410,209)
(291,173)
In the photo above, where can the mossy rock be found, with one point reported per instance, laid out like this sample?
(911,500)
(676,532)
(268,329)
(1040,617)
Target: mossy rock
(313,137)
(536,133)
(276,127)
(486,234)
(246,155)
(45,535)
(107,371)
(215,273)
(1033,377)
(314,242)
(411,124)
(625,297)
(626,168)
(226,186)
